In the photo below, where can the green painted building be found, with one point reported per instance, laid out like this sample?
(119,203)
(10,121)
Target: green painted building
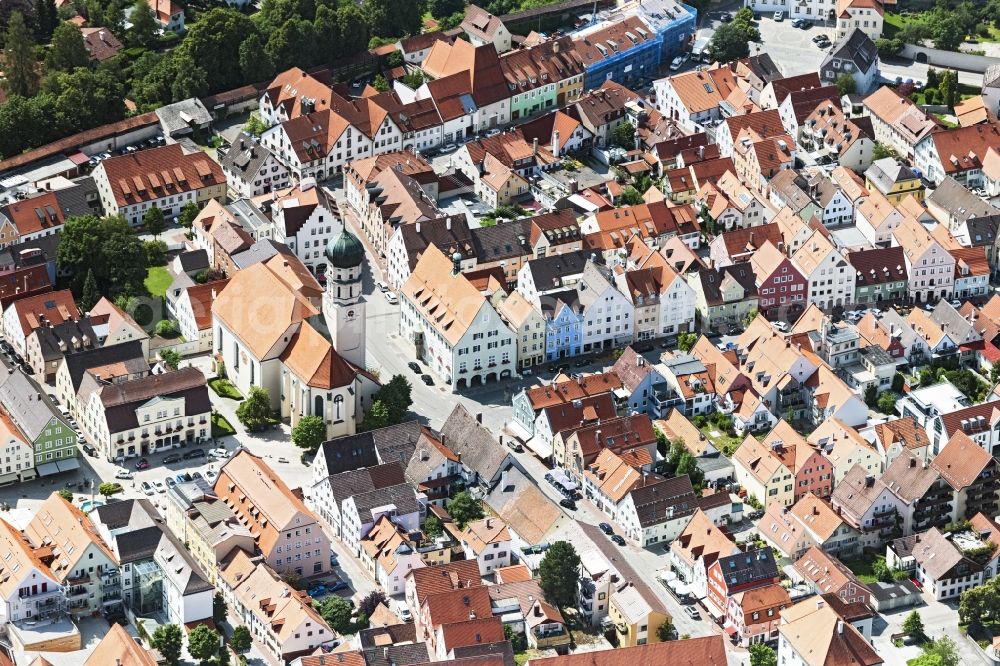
(39,420)
(880,275)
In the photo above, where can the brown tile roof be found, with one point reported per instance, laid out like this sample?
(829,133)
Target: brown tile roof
(700,91)
(909,477)
(823,639)
(619,434)
(970,261)
(27,281)
(445,577)
(878,266)
(118,647)
(702,540)
(761,599)
(311,357)
(817,515)
(38,213)
(704,651)
(742,242)
(901,113)
(605,43)
(100,43)
(480,631)
(456,605)
(202,296)
(54,307)
(964,148)
(784,87)
(825,571)
(569,415)
(987,411)
(62,524)
(763,123)
(568,389)
(961,461)
(166,171)
(906,431)
(448,300)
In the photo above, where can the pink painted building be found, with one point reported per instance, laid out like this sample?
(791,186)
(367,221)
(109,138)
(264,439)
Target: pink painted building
(809,468)
(782,290)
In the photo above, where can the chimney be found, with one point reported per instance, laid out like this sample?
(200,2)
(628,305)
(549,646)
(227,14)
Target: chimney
(840,627)
(534,146)
(555,142)
(418,226)
(447,223)
(456,268)
(820,603)
(479,418)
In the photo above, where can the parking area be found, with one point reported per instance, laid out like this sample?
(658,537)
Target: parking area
(791,48)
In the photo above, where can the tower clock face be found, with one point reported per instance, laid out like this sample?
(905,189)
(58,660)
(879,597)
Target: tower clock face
(350,314)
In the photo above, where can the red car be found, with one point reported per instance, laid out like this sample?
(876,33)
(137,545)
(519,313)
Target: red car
(142,464)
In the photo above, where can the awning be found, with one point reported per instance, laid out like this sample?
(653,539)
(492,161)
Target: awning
(541,449)
(47,469)
(730,629)
(68,465)
(713,611)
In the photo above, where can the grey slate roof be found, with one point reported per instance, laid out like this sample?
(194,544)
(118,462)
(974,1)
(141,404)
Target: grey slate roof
(595,280)
(667,498)
(260,251)
(480,452)
(65,332)
(28,405)
(401,495)
(121,399)
(748,567)
(396,655)
(357,481)
(887,171)
(502,648)
(959,202)
(245,157)
(129,353)
(181,117)
(366,449)
(855,47)
(505,240)
(546,272)
(193,260)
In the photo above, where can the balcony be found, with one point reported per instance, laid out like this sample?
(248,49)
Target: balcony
(549,637)
(76,592)
(79,579)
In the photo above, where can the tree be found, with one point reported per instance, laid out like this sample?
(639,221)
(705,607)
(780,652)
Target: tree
(166,328)
(946,31)
(156,252)
(144,27)
(168,641)
(309,433)
(203,643)
(188,214)
(370,602)
(153,221)
(380,84)
(91,294)
(46,19)
(665,632)
(559,574)
(463,509)
(376,417)
(432,527)
(995,372)
(913,625)
(881,151)
(393,18)
(442,8)
(255,126)
(846,85)
(629,197)
(949,88)
(871,396)
(19,58)
(688,464)
(887,403)
(762,655)
(108,247)
(685,341)
(219,608)
(624,136)
(254,63)
(942,651)
(933,81)
(109,488)
(397,398)
(888,47)
(170,357)
(241,640)
(67,51)
(255,412)
(731,41)
(338,613)
(66,494)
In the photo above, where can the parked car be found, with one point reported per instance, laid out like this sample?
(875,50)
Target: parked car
(607,529)
(218,453)
(171,459)
(382,286)
(333,560)
(678,62)
(170,482)
(618,539)
(196,475)
(802,23)
(568,503)
(124,474)
(337,587)
(581,363)
(821,37)
(160,488)
(514,445)
(781,326)
(692,612)
(194,453)
(415,367)
(391,298)
(448,147)
(89,450)
(725,17)
(493,132)
(147,488)
(210,475)
(427,379)
(142,463)
(779,16)
(182,477)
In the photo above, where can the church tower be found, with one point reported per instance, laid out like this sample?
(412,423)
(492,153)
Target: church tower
(343,302)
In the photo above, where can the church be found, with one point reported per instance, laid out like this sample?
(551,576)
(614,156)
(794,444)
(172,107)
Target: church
(274,326)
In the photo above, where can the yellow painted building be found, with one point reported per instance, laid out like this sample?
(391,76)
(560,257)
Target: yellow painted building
(894,180)
(636,622)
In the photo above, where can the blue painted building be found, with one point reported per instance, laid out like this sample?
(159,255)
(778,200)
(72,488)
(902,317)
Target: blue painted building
(629,47)
(563,324)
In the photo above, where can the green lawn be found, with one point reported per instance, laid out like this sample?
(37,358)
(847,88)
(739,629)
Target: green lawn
(158,280)
(726,444)
(221,426)
(863,570)
(224,388)
(894,23)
